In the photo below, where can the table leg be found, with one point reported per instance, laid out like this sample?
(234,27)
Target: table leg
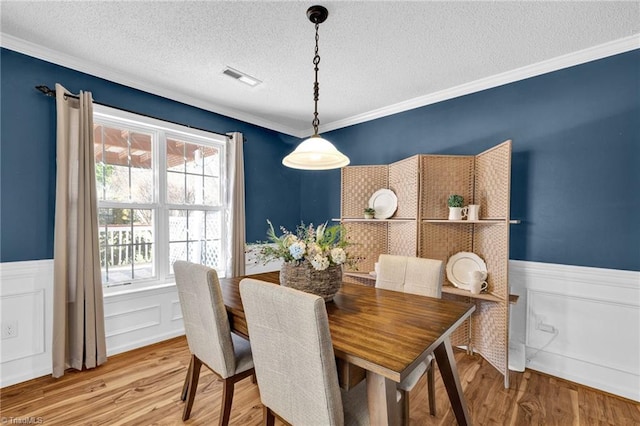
(449,372)
(382,399)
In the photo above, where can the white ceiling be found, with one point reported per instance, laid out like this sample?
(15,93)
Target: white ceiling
(378,57)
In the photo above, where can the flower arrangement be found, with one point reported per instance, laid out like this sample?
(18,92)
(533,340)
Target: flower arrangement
(323,246)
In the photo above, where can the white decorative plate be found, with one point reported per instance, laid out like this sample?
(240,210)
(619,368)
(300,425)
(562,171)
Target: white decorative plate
(385,203)
(459,267)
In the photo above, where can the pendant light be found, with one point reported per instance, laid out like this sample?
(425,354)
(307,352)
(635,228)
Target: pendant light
(316,153)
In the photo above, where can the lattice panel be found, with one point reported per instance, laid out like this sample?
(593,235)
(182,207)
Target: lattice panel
(489,333)
(490,242)
(423,184)
(403,239)
(368,240)
(443,240)
(444,175)
(461,336)
(358,185)
(492,181)
(403,181)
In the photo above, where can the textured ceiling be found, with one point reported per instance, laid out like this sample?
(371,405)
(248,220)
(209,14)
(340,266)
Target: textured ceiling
(374,54)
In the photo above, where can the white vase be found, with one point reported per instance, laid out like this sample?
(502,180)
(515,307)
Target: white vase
(455,213)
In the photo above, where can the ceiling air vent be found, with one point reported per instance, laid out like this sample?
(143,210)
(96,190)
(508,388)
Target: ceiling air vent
(240,76)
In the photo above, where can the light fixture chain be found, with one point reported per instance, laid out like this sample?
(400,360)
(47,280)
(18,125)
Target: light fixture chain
(316,86)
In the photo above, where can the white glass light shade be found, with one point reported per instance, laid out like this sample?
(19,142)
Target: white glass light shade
(316,153)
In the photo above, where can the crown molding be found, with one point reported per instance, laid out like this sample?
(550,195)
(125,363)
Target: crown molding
(554,64)
(77,64)
(565,61)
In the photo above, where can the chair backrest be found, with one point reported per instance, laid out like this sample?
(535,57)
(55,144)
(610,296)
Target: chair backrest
(414,275)
(292,353)
(205,317)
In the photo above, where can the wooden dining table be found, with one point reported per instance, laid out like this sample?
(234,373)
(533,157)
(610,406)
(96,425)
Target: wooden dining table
(383,333)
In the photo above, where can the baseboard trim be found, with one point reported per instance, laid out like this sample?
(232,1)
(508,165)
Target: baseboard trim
(615,382)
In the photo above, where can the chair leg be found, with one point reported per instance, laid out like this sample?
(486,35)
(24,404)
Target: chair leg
(227,399)
(404,395)
(193,385)
(185,387)
(268,417)
(431,389)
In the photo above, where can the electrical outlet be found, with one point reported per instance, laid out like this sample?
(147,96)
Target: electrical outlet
(9,329)
(546,328)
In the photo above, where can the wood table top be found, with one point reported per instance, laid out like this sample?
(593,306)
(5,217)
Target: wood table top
(383,331)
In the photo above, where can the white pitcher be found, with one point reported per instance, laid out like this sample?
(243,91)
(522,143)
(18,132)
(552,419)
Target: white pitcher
(457,213)
(477,281)
(473,212)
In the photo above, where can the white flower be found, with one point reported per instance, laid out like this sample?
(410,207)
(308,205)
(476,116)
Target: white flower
(297,250)
(314,249)
(320,232)
(319,262)
(289,239)
(338,256)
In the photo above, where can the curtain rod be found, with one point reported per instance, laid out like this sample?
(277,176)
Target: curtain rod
(52,94)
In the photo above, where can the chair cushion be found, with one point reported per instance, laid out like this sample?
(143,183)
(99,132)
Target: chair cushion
(242,352)
(410,274)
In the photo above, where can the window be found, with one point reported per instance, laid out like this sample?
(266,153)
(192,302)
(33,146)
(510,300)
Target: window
(161,197)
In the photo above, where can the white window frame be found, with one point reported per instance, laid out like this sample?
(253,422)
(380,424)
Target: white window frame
(161,130)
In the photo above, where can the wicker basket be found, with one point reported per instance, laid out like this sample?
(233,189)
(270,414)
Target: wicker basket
(302,276)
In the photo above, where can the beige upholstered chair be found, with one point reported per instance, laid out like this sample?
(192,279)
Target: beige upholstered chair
(209,335)
(295,363)
(417,276)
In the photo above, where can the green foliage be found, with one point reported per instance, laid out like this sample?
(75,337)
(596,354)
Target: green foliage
(369,210)
(306,243)
(455,201)
(103,173)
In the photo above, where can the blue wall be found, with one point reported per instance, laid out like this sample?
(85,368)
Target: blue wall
(576,152)
(575,167)
(27,154)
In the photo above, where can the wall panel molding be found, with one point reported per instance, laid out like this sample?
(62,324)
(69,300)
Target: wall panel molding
(596,314)
(176,311)
(131,320)
(26,298)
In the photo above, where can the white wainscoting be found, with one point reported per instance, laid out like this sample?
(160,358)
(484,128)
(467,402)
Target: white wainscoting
(25,301)
(596,316)
(595,311)
(132,318)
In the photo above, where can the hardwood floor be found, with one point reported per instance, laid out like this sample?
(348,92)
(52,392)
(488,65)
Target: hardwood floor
(142,387)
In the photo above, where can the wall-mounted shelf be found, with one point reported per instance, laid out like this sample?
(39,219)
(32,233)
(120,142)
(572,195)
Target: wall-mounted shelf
(354,219)
(461,292)
(479,222)
(361,275)
(513,298)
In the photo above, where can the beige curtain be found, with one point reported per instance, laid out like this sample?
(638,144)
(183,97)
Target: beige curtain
(236,217)
(78,313)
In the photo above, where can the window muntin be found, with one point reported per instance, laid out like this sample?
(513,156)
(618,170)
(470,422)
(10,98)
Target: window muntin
(161,197)
(193,173)
(195,236)
(124,166)
(126,239)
